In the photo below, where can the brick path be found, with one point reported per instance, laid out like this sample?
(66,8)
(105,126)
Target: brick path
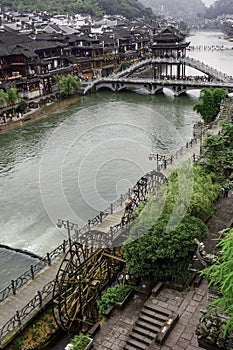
(114,331)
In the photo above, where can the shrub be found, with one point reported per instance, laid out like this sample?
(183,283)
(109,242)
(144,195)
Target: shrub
(112,295)
(80,341)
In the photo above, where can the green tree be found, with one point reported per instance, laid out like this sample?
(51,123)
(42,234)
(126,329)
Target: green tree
(3,97)
(220,274)
(162,255)
(12,95)
(68,85)
(219,152)
(209,103)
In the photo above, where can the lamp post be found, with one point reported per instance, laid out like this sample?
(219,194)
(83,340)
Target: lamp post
(69,226)
(158,158)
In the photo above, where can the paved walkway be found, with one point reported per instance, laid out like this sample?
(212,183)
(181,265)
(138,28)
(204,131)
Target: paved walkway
(24,294)
(114,331)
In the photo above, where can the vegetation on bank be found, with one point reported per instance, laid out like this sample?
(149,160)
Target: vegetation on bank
(209,103)
(95,8)
(161,242)
(68,85)
(37,334)
(219,153)
(220,275)
(8,97)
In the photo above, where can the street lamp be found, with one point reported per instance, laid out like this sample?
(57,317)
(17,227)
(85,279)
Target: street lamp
(158,158)
(69,226)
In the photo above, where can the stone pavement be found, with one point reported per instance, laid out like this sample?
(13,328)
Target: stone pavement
(114,331)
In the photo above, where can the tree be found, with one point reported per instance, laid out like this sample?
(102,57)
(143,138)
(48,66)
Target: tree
(219,152)
(3,97)
(220,274)
(68,85)
(162,255)
(209,103)
(12,95)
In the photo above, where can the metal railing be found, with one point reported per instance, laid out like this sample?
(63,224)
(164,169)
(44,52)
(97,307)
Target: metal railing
(37,302)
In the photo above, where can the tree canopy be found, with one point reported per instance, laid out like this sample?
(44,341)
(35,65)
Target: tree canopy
(220,274)
(209,103)
(162,255)
(219,8)
(95,8)
(68,85)
(219,152)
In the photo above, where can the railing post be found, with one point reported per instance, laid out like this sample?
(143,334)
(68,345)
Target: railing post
(18,317)
(121,199)
(89,225)
(111,233)
(111,208)
(40,297)
(49,260)
(32,272)
(101,217)
(13,286)
(64,246)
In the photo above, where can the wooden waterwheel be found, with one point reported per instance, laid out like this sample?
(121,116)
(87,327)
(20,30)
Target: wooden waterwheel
(84,273)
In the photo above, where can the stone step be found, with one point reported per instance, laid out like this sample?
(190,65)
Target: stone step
(154,314)
(139,337)
(151,320)
(145,332)
(148,326)
(157,308)
(128,347)
(137,344)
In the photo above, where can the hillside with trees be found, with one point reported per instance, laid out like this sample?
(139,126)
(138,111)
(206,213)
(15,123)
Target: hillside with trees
(220,8)
(178,9)
(97,8)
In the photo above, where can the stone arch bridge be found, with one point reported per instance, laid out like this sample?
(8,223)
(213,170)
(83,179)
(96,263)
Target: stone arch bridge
(127,79)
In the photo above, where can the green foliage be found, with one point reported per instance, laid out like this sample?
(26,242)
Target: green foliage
(12,95)
(68,85)
(219,152)
(160,254)
(112,295)
(209,103)
(80,341)
(97,8)
(22,106)
(220,274)
(3,97)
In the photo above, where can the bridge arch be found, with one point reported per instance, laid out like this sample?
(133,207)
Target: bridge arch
(125,80)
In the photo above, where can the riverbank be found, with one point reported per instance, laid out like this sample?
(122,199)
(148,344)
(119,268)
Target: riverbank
(35,114)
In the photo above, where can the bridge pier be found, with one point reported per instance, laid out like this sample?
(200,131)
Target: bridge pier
(154,89)
(179,90)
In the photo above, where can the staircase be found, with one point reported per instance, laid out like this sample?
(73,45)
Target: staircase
(153,324)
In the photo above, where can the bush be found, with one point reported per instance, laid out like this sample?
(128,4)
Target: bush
(163,255)
(112,295)
(80,341)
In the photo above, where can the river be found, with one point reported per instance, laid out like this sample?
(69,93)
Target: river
(78,160)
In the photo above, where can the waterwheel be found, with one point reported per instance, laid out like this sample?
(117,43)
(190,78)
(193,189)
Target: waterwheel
(84,273)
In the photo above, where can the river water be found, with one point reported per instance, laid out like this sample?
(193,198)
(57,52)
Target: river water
(80,159)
